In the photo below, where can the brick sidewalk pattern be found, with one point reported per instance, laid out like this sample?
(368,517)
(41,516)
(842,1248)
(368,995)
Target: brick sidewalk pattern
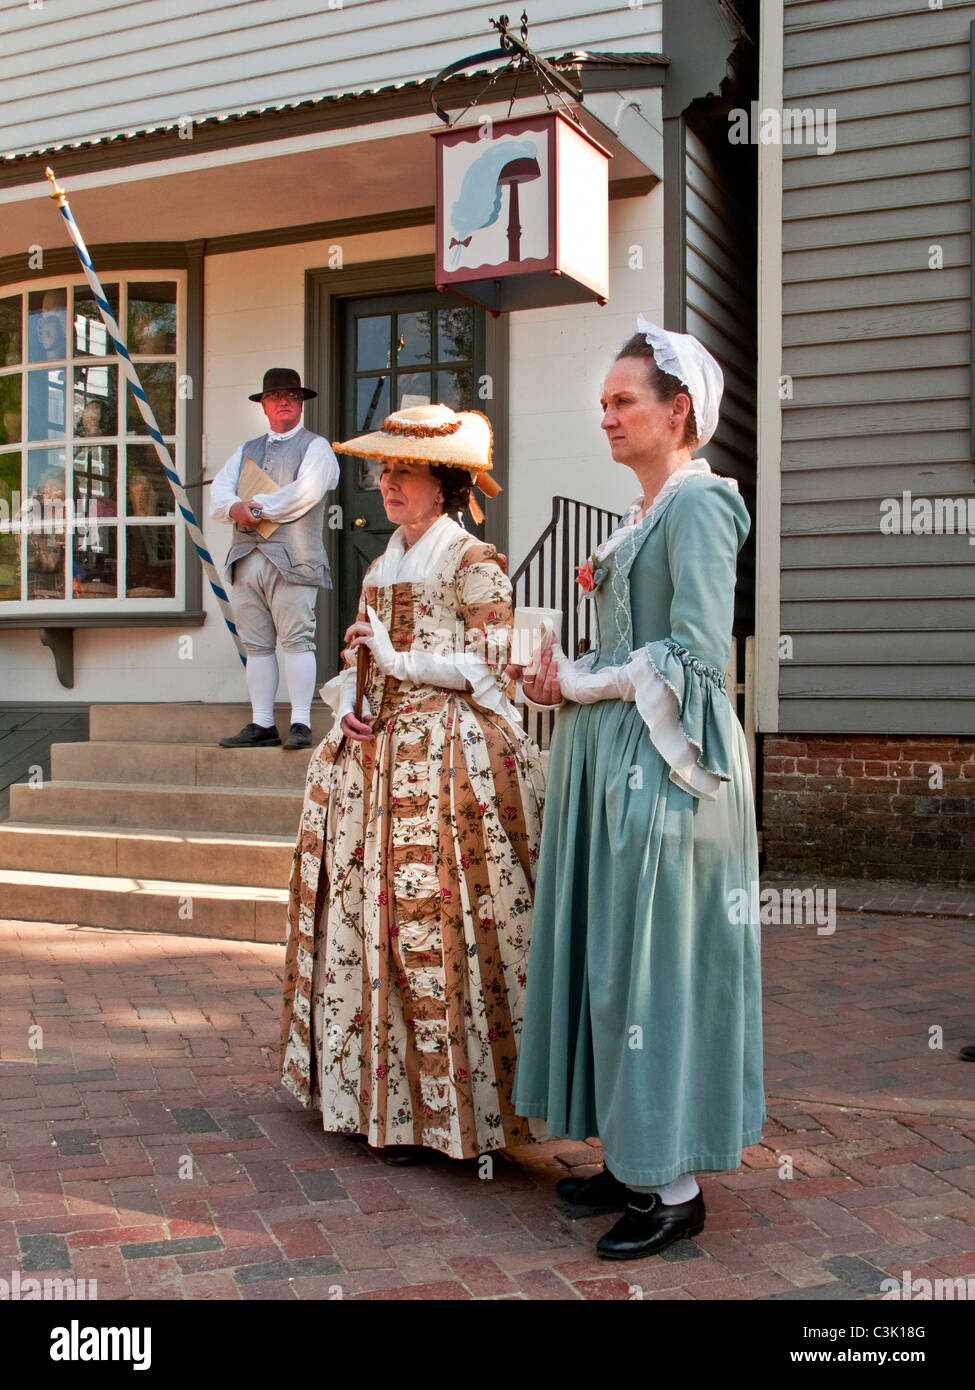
(147,1144)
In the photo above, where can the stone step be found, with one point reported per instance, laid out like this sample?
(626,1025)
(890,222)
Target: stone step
(183,764)
(190,723)
(233,912)
(263,861)
(266,810)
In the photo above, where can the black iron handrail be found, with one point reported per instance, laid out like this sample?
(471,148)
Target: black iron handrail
(546,578)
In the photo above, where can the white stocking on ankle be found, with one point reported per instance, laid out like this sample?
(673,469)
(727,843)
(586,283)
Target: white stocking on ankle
(262,686)
(300,668)
(682,1189)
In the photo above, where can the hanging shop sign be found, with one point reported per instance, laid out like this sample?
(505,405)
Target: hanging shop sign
(523,213)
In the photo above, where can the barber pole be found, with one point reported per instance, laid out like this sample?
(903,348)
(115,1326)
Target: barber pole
(165,458)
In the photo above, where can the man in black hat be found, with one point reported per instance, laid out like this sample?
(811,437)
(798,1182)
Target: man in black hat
(275,580)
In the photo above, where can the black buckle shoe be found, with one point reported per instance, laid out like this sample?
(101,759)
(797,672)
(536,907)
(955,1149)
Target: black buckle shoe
(253,736)
(601,1190)
(647,1227)
(299,737)
(400,1155)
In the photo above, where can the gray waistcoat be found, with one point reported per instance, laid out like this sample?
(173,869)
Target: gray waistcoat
(295,548)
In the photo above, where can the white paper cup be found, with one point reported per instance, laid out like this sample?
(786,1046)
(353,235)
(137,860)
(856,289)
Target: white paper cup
(528,629)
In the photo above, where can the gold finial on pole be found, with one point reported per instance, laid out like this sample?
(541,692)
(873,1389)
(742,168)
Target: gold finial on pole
(56,190)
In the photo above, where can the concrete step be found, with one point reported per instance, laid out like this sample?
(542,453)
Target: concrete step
(262,861)
(190,723)
(183,764)
(266,810)
(233,912)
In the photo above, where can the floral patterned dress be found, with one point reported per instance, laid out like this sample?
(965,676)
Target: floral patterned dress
(412,886)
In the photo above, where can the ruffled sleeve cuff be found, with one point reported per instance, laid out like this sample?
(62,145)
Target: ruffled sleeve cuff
(686,708)
(339,692)
(485,689)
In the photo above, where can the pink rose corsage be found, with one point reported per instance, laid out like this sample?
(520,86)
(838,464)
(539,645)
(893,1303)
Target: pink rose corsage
(589,576)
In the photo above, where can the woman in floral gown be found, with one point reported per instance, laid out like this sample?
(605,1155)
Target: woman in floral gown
(411,893)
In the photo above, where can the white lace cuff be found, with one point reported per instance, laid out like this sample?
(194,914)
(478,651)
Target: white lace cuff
(339,692)
(658,708)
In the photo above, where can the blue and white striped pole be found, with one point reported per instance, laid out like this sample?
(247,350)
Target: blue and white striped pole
(165,458)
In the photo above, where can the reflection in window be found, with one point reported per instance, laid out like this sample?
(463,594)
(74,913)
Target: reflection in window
(90,334)
(152,319)
(47,330)
(11,315)
(149,563)
(159,383)
(10,426)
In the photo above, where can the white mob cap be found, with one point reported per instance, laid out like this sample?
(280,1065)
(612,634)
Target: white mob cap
(682,356)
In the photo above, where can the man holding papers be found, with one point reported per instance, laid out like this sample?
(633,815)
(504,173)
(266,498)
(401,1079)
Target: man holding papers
(273,491)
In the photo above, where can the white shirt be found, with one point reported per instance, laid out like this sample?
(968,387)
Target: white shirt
(317,474)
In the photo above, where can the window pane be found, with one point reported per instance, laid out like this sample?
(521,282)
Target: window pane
(455,334)
(152,318)
(45,523)
(94,560)
(412,388)
(159,383)
(413,343)
(149,561)
(456,389)
(47,327)
(96,401)
(147,488)
(11,347)
(372,342)
(95,479)
(46,404)
(372,402)
(9,537)
(9,567)
(367,474)
(10,428)
(90,334)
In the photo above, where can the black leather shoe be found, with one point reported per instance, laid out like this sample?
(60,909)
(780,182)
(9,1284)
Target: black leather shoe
(647,1227)
(601,1190)
(253,736)
(967,1054)
(299,737)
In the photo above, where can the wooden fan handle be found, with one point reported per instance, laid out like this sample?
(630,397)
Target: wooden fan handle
(361,675)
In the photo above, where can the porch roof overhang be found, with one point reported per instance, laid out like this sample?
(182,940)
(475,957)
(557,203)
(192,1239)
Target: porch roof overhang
(235,176)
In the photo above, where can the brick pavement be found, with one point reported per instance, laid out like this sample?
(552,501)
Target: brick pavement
(147,1144)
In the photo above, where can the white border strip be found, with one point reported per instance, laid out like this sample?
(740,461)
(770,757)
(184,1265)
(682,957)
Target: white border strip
(768,547)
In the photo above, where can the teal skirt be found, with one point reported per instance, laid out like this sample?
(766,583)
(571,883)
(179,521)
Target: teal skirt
(643,1016)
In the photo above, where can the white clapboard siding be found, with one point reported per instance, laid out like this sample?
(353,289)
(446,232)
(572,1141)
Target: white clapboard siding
(878,348)
(115,65)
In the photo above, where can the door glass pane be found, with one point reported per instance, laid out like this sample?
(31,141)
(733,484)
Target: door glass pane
(46,404)
(9,537)
(47,326)
(413,342)
(456,388)
(455,334)
(412,388)
(159,383)
(95,479)
(152,318)
(11,347)
(94,560)
(147,490)
(372,403)
(90,334)
(372,342)
(96,401)
(149,563)
(10,430)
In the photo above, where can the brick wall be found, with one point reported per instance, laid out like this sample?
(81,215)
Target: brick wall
(857,807)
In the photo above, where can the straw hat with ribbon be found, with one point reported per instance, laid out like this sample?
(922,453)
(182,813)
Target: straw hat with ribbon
(433,434)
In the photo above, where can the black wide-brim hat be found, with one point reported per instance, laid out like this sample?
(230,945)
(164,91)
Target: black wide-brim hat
(282,379)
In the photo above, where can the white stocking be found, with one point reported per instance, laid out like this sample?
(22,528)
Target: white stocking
(262,685)
(300,668)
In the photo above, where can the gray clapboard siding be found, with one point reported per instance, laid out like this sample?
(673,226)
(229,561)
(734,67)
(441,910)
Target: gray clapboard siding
(843,648)
(878,227)
(950,447)
(946,583)
(929,682)
(920,189)
(844,262)
(880,714)
(887,354)
(832,485)
(124,65)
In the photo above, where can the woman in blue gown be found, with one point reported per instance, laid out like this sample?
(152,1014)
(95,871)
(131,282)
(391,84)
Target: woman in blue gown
(643,1007)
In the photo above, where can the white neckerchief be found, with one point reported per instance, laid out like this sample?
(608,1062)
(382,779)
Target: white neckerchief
(633,517)
(397,565)
(273,434)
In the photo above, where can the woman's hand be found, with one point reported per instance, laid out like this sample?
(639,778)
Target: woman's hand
(539,678)
(356,729)
(358,634)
